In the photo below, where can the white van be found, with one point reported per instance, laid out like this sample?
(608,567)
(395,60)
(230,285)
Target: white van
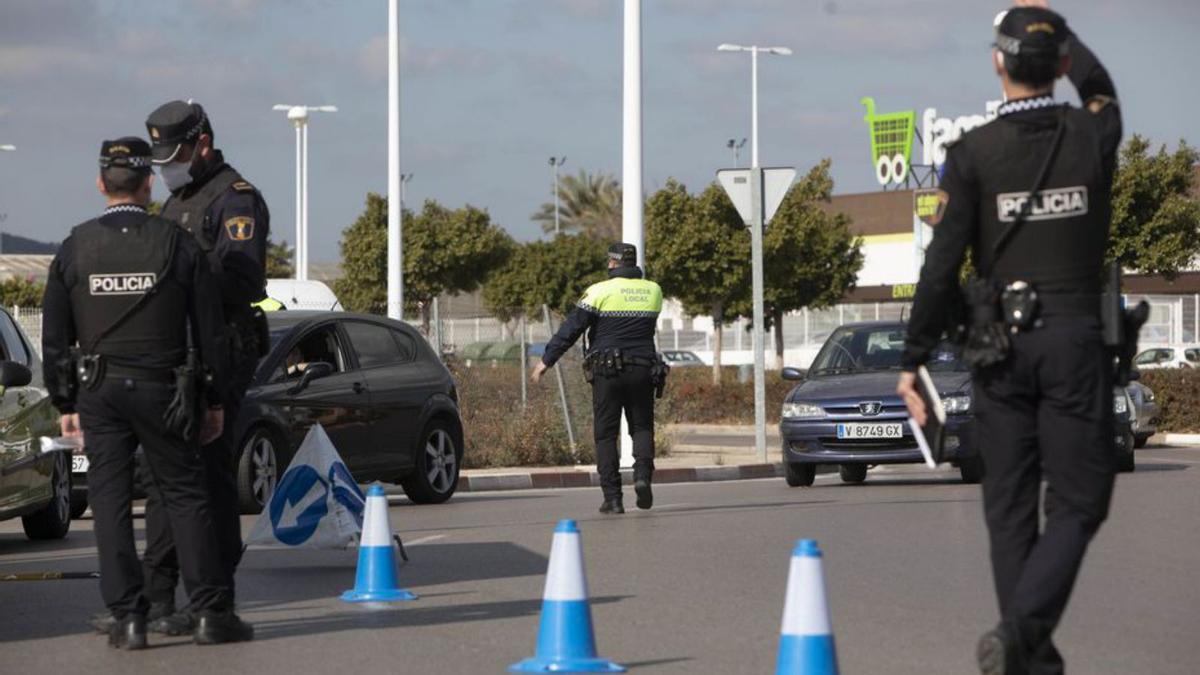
(303,294)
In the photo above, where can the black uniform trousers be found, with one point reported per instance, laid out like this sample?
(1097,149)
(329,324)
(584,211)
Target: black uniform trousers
(630,391)
(1047,413)
(116,417)
(162,565)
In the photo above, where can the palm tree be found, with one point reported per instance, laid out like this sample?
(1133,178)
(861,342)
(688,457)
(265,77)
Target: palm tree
(588,204)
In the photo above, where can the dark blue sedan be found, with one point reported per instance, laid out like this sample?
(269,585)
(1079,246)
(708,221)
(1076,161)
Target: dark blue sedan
(845,409)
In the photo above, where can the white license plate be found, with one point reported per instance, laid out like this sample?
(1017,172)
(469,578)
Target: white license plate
(79,464)
(870,431)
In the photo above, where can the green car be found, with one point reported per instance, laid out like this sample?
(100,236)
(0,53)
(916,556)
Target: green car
(35,485)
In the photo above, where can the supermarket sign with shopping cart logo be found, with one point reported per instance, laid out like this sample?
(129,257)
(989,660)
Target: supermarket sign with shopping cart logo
(892,136)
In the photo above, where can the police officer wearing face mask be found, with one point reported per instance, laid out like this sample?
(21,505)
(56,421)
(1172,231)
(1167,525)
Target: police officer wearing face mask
(121,295)
(1029,194)
(620,316)
(229,219)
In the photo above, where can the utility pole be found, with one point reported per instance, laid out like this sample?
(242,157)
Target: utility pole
(736,147)
(556,162)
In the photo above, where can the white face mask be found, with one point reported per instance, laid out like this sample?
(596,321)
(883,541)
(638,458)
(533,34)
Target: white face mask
(178,175)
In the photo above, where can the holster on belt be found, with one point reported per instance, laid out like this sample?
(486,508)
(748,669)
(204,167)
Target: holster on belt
(67,384)
(183,412)
(987,337)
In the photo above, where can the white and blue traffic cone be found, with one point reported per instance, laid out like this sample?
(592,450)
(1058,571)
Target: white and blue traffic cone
(376,579)
(566,643)
(806,645)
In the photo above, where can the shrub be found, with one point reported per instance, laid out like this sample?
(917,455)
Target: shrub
(692,398)
(1177,392)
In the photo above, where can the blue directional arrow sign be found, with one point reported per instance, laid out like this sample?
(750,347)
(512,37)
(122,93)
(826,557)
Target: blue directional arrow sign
(298,505)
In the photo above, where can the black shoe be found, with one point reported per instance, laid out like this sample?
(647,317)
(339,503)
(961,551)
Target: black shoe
(995,652)
(102,622)
(173,623)
(612,506)
(214,628)
(128,633)
(645,496)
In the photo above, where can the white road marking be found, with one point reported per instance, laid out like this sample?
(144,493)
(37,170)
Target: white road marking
(424,540)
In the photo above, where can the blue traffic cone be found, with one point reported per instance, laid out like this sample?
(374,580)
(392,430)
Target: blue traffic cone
(566,643)
(376,580)
(806,646)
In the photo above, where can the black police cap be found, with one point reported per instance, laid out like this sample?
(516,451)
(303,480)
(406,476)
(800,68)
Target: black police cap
(625,254)
(129,152)
(171,125)
(1031,30)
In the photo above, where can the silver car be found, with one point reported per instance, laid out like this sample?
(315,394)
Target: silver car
(1147,412)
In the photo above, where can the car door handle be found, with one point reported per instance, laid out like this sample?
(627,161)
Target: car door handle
(359,388)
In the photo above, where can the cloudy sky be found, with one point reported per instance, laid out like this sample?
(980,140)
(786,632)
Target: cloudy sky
(492,88)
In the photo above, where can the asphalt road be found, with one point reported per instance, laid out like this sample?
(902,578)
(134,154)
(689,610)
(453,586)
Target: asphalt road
(694,586)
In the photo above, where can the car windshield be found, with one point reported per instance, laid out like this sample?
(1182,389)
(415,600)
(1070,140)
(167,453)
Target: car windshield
(860,349)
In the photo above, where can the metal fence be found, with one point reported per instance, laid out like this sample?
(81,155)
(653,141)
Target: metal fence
(1174,320)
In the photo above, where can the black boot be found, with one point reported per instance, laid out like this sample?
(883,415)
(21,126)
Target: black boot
(214,628)
(128,633)
(996,653)
(172,623)
(645,496)
(612,506)
(104,621)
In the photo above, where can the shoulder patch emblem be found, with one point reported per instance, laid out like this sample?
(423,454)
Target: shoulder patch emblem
(242,186)
(240,228)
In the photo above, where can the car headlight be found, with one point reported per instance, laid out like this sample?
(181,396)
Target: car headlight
(957,405)
(802,411)
(1120,403)
(1148,395)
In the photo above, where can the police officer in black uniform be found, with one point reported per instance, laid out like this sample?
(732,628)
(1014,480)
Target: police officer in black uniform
(620,316)
(1029,194)
(125,287)
(229,219)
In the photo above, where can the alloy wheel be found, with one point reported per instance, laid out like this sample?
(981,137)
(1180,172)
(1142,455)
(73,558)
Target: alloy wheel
(440,460)
(264,466)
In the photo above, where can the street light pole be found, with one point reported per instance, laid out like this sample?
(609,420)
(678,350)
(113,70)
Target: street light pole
(298,116)
(395,277)
(5,147)
(556,162)
(736,148)
(404,179)
(756,246)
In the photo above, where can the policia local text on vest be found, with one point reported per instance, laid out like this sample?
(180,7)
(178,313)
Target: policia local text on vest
(620,316)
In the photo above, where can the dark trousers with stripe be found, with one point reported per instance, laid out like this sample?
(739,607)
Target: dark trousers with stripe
(631,392)
(117,417)
(1045,414)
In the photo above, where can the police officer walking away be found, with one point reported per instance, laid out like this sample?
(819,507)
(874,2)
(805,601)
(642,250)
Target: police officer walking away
(1029,193)
(230,221)
(125,288)
(620,316)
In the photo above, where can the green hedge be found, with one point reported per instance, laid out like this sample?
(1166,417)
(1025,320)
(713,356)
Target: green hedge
(1177,392)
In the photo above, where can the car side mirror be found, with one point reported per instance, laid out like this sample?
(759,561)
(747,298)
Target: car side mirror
(13,374)
(794,374)
(313,371)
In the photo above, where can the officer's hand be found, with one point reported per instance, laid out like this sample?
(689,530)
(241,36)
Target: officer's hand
(214,422)
(70,426)
(907,388)
(538,371)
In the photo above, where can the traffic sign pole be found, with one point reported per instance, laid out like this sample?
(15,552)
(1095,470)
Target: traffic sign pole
(756,252)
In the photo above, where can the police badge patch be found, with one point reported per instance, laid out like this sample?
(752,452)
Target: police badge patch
(240,228)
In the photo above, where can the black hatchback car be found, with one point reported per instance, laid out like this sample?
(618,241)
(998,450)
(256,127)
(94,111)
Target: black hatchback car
(376,386)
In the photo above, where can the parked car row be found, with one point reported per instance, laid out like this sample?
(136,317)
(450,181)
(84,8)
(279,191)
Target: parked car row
(1168,357)
(845,410)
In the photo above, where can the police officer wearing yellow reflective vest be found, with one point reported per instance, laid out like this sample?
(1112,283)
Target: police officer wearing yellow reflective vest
(1029,193)
(230,221)
(620,316)
(121,295)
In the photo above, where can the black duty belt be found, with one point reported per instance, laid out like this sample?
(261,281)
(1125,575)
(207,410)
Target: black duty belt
(119,372)
(1060,304)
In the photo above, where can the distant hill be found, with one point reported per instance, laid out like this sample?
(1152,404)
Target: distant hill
(14,244)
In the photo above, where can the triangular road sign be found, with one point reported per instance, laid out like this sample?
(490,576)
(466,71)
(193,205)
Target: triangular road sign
(776,183)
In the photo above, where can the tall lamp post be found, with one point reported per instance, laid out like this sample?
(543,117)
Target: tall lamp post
(298,116)
(556,162)
(756,246)
(736,147)
(5,147)
(404,180)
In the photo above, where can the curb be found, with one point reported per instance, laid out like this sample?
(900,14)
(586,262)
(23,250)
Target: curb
(1191,440)
(577,479)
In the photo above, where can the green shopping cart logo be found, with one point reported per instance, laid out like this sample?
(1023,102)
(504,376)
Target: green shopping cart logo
(891,142)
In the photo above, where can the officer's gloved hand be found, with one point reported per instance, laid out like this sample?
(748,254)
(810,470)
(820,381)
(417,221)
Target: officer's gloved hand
(214,424)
